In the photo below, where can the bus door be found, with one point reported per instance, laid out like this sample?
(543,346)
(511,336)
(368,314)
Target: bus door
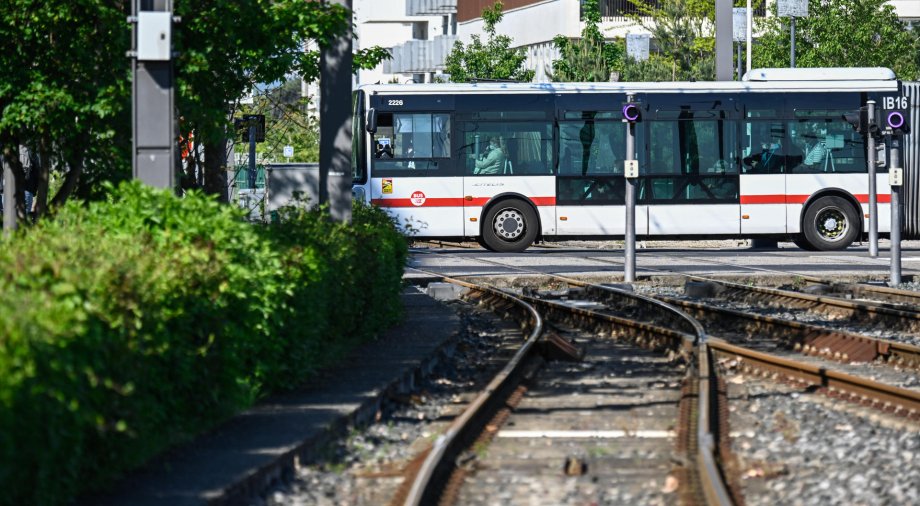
(763,180)
(591,188)
(692,183)
(412,176)
(506,149)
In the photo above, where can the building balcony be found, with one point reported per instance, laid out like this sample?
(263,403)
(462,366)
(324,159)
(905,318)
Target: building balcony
(420,56)
(430,7)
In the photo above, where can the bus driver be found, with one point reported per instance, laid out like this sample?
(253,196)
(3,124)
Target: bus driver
(492,161)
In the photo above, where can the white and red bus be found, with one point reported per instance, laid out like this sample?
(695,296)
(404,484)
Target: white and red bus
(772,156)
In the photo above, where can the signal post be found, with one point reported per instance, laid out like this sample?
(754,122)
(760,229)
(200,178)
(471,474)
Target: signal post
(631,114)
(895,111)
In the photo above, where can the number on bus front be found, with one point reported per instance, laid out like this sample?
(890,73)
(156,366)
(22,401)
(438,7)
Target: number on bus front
(395,102)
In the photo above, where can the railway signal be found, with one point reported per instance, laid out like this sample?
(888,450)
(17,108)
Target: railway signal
(632,113)
(859,120)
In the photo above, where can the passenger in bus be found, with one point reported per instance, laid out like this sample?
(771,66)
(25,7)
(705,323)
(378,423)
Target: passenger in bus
(492,161)
(383,151)
(770,160)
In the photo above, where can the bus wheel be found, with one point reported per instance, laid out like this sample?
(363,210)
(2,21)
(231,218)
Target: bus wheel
(509,226)
(830,223)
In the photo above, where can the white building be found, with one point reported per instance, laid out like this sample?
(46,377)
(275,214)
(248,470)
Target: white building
(532,24)
(419,34)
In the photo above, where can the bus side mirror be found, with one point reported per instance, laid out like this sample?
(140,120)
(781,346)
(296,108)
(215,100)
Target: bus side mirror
(371,125)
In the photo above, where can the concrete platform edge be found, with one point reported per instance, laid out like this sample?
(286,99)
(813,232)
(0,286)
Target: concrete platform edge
(285,466)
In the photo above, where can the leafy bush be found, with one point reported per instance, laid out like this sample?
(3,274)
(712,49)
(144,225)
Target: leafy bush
(129,325)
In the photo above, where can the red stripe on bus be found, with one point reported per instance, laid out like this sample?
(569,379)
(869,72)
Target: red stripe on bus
(801,199)
(453,202)
(429,202)
(880,198)
(774,199)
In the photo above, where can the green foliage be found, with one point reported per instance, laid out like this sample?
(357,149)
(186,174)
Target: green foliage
(682,34)
(286,124)
(493,60)
(132,324)
(842,33)
(590,58)
(65,89)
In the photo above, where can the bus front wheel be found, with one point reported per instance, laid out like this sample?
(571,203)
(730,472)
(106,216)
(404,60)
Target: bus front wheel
(509,226)
(831,223)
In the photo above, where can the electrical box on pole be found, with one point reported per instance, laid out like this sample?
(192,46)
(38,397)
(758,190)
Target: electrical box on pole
(153,93)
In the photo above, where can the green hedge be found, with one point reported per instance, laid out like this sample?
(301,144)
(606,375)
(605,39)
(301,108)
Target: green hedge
(131,325)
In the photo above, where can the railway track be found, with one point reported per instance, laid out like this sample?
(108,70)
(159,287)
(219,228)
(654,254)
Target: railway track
(438,478)
(649,329)
(539,442)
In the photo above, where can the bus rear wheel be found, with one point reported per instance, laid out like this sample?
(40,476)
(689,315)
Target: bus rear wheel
(510,226)
(831,223)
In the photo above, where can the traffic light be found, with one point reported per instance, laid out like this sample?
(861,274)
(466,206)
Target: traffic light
(897,122)
(632,112)
(859,120)
(242,125)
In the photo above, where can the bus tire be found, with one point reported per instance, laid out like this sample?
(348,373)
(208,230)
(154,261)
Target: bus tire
(830,224)
(510,226)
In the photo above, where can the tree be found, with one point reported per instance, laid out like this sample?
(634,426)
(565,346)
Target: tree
(65,89)
(228,46)
(590,58)
(493,60)
(682,35)
(63,83)
(287,123)
(842,33)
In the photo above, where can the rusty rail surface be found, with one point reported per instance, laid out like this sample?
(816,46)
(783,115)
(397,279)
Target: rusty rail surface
(900,318)
(894,399)
(437,466)
(691,340)
(807,338)
(909,298)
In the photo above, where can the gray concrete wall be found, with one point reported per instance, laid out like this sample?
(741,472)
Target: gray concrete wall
(284,179)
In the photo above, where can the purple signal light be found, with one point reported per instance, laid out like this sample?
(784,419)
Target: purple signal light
(631,112)
(895,119)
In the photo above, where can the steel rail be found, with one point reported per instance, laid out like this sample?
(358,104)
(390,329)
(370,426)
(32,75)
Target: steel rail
(883,293)
(453,438)
(861,388)
(909,320)
(812,339)
(712,480)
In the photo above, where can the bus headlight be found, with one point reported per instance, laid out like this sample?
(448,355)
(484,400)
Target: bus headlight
(357,193)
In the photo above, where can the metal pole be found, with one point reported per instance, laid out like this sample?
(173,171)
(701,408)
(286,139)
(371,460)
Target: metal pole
(873,191)
(739,61)
(792,42)
(723,40)
(9,198)
(750,32)
(895,213)
(252,157)
(629,274)
(153,94)
(335,123)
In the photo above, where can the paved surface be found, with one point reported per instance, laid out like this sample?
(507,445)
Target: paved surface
(251,450)
(605,260)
